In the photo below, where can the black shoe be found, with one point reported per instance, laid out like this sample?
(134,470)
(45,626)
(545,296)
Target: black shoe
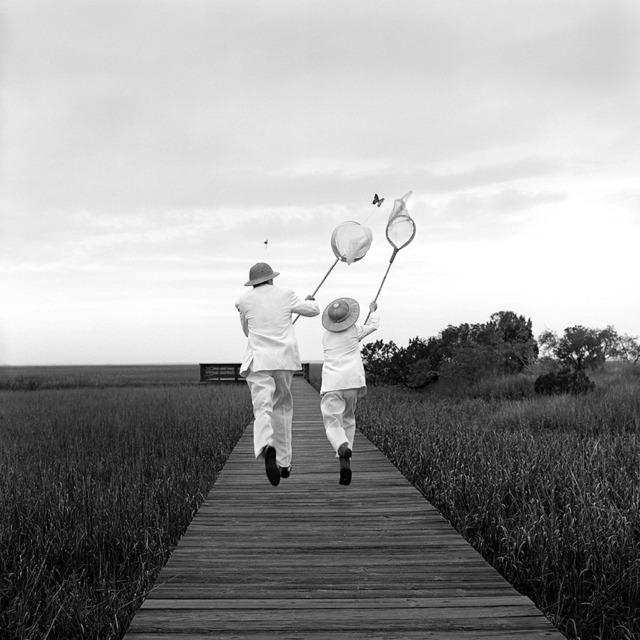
(285,472)
(344,451)
(345,466)
(273,473)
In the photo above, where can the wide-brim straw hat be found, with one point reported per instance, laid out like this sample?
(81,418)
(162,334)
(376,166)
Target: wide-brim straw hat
(340,314)
(260,272)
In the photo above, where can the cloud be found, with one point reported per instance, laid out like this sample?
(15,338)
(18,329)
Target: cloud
(628,200)
(148,106)
(150,148)
(494,174)
(498,205)
(487,212)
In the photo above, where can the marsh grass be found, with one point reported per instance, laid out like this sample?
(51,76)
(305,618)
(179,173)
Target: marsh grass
(546,489)
(97,377)
(98,484)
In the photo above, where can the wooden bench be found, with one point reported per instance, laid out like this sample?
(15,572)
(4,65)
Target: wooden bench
(230,372)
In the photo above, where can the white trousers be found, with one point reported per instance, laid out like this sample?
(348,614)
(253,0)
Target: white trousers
(272,412)
(339,416)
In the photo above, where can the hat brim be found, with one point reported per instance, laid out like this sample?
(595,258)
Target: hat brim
(262,279)
(349,319)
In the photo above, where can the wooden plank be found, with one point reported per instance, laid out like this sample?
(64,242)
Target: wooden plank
(377,602)
(368,634)
(314,559)
(309,620)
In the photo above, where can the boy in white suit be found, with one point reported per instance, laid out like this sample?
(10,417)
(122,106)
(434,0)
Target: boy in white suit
(271,358)
(343,378)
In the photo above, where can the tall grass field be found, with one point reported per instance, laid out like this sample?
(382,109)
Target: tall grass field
(101,470)
(547,489)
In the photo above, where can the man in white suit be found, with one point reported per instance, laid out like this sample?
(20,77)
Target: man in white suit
(270,361)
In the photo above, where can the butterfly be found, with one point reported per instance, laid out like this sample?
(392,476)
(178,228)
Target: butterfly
(377,200)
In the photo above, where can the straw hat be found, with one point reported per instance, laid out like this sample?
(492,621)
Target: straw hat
(260,272)
(340,314)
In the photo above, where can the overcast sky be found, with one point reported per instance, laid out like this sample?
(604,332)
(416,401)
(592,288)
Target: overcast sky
(148,148)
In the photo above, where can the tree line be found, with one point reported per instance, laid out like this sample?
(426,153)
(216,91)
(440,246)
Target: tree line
(504,345)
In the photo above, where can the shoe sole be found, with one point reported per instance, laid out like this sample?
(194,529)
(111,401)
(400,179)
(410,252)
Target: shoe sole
(345,471)
(273,473)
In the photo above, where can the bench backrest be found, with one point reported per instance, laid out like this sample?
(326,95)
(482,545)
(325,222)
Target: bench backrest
(230,372)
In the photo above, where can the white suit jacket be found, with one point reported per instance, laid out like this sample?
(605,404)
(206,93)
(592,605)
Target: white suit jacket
(342,367)
(265,315)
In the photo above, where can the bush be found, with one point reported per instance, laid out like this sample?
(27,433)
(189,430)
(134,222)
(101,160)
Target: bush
(513,387)
(565,381)
(421,374)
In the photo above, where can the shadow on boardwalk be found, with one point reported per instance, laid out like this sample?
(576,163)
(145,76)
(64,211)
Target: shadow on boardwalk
(315,559)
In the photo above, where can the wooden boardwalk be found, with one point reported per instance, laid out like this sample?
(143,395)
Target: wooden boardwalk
(315,559)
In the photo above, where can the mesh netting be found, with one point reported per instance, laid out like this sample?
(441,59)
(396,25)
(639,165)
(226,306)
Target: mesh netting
(350,241)
(399,206)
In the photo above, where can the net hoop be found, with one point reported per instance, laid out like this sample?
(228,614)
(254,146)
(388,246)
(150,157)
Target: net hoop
(350,241)
(400,231)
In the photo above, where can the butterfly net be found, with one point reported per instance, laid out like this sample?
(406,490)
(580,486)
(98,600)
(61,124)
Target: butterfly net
(401,228)
(350,241)
(400,231)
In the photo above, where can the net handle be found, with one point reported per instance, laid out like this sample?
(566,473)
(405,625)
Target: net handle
(321,283)
(395,253)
